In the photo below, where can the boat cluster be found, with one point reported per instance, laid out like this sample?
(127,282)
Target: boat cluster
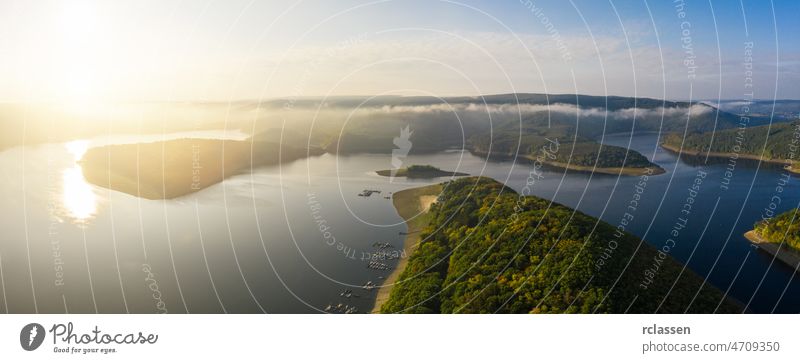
(381,246)
(369,286)
(384,251)
(368,192)
(388,255)
(341,309)
(377,265)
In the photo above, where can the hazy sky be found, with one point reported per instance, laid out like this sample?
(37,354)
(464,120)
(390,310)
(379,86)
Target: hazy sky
(86,51)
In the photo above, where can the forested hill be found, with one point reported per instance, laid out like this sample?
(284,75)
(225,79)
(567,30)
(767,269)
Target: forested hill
(489,250)
(778,142)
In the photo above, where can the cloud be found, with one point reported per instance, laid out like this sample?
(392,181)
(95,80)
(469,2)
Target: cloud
(561,108)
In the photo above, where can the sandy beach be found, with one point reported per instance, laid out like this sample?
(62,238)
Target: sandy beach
(413,206)
(783,253)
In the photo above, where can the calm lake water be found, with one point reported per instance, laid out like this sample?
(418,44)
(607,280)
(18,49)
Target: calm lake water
(295,238)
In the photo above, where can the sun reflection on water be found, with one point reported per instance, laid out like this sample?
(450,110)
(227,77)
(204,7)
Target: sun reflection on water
(78,197)
(77,148)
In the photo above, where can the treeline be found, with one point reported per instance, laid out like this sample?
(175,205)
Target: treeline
(487,249)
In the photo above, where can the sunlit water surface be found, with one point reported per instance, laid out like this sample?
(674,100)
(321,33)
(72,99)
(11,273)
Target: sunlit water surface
(296,238)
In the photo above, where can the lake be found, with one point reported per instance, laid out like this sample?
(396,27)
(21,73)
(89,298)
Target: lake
(297,238)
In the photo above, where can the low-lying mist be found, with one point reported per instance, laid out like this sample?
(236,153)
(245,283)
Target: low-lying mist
(353,121)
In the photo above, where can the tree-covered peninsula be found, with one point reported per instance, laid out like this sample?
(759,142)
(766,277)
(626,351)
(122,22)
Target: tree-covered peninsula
(487,249)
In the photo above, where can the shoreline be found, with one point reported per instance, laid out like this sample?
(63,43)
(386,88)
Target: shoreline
(412,205)
(785,255)
(657,170)
(176,168)
(404,173)
(628,171)
(677,150)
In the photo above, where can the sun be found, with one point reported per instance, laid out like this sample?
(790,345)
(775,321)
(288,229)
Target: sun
(82,44)
(77,148)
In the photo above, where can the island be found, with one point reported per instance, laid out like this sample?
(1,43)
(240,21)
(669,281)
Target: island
(778,144)
(780,237)
(174,168)
(419,172)
(483,248)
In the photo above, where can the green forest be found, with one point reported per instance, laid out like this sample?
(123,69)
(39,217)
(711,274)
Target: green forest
(488,249)
(784,227)
(777,141)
